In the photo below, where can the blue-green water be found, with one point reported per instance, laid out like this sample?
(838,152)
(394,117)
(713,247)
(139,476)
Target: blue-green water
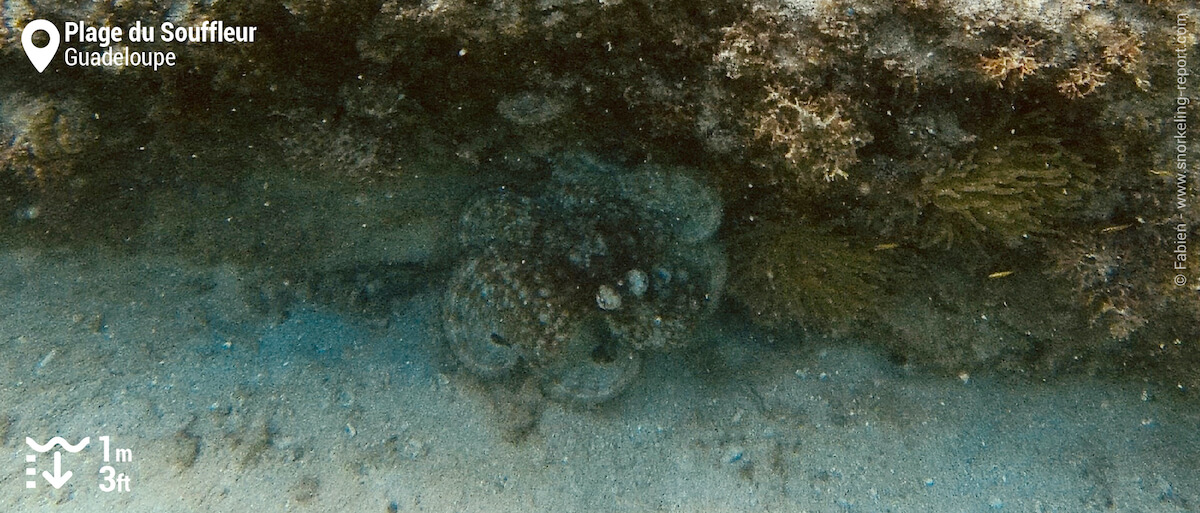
(329,411)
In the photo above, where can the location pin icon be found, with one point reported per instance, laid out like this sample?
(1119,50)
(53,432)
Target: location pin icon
(40,57)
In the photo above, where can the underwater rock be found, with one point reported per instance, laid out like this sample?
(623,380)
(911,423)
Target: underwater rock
(960,125)
(529,109)
(41,139)
(553,278)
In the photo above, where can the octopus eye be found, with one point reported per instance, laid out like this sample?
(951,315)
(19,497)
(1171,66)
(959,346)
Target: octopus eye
(500,341)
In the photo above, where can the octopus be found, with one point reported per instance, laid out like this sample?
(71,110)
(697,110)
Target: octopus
(577,279)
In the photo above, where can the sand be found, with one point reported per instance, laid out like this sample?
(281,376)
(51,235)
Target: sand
(313,409)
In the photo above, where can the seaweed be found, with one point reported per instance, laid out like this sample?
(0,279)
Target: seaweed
(1005,192)
(802,275)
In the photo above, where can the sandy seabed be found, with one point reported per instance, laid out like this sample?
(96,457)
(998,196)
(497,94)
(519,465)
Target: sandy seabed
(224,410)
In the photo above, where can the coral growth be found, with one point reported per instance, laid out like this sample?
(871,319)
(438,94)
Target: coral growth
(1012,62)
(816,136)
(1082,80)
(581,278)
(1101,280)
